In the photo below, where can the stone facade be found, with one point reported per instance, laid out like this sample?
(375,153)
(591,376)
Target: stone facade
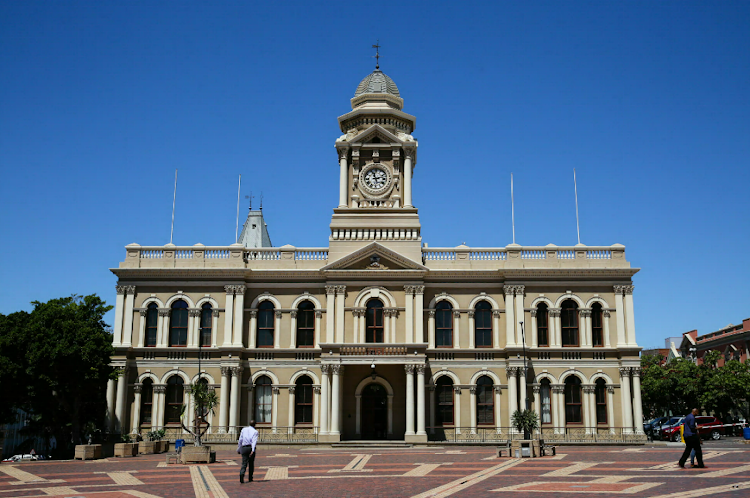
(377,335)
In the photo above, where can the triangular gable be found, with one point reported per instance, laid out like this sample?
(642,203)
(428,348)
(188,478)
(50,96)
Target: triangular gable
(376,130)
(387,259)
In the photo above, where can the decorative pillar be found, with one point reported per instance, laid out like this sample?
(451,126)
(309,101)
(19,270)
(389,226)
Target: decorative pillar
(253,332)
(409,399)
(330,313)
(234,409)
(316,407)
(495,328)
(472,330)
(362,326)
(510,321)
(387,326)
(239,315)
(605,319)
(457,405)
(627,409)
(343,177)
(409,153)
(556,326)
(558,413)
(194,322)
(337,370)
(340,303)
(534,333)
(585,319)
(520,315)
(159,406)
(250,401)
(512,372)
(110,423)
(136,419)
(189,408)
(589,417)
(637,406)
(127,327)
(536,388)
(228,315)
(620,311)
(224,400)
(291,410)
(409,308)
(162,327)
(629,316)
(119,305)
(277,329)
(318,331)
(419,313)
(611,408)
(498,412)
(420,401)
(473,409)
(214,327)
(456,329)
(432,408)
(141,342)
(431,329)
(293,329)
(522,385)
(120,405)
(275,409)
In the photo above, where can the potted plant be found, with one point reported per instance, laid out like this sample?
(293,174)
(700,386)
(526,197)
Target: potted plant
(126,448)
(204,401)
(526,421)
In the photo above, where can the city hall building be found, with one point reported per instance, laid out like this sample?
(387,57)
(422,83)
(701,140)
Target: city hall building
(377,336)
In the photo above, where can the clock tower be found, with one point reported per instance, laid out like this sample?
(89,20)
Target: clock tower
(377,155)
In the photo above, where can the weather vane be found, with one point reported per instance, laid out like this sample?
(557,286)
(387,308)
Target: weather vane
(251,197)
(377,54)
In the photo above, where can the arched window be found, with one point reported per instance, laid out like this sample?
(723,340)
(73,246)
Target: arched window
(483,325)
(305,325)
(444,325)
(152,321)
(597,330)
(265,324)
(573,412)
(204,409)
(444,400)
(374,321)
(147,401)
(542,324)
(601,401)
(569,321)
(175,396)
(485,401)
(545,393)
(263,404)
(206,323)
(178,324)
(303,401)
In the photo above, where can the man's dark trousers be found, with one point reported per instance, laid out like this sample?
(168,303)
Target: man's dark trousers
(248,460)
(692,443)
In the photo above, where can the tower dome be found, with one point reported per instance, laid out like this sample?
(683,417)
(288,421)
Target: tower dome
(377,82)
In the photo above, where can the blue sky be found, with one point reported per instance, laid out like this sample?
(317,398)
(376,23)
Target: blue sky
(649,101)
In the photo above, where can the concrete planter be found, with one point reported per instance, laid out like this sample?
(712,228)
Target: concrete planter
(196,454)
(126,449)
(163,446)
(88,451)
(147,447)
(531,446)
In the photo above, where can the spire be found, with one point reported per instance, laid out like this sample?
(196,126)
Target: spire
(255,231)
(377,54)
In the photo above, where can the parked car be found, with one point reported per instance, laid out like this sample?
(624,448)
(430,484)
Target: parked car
(24,458)
(667,430)
(709,427)
(652,426)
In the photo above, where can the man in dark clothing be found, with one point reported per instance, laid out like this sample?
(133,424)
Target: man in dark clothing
(692,441)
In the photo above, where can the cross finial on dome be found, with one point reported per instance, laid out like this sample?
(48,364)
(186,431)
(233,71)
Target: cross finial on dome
(377,54)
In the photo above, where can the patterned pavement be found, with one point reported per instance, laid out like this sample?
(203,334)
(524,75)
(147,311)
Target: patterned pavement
(427,472)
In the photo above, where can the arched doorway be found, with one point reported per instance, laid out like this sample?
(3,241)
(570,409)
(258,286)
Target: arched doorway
(374,412)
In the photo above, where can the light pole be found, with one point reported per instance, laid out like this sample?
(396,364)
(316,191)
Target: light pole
(526,434)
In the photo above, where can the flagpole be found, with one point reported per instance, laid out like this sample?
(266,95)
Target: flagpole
(174,199)
(575,186)
(237,223)
(512,209)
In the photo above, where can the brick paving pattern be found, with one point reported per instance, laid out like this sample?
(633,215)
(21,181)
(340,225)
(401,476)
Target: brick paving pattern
(426,472)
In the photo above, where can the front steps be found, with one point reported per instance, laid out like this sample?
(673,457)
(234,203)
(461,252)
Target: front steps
(372,444)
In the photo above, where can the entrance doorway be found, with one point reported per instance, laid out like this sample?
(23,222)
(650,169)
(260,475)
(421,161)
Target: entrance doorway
(374,412)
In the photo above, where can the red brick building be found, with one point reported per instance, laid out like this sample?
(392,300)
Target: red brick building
(733,341)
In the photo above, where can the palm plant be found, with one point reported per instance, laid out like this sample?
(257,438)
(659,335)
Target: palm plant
(525,421)
(205,401)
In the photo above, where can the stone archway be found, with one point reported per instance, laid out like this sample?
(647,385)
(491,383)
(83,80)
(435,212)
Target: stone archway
(367,394)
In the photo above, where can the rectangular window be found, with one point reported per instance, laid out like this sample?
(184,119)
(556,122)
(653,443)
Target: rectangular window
(483,328)
(265,328)
(542,326)
(569,320)
(206,322)
(546,404)
(263,404)
(445,405)
(152,320)
(306,329)
(304,401)
(597,331)
(601,404)
(485,406)
(444,328)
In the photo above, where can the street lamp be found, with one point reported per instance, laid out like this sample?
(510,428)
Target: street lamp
(526,434)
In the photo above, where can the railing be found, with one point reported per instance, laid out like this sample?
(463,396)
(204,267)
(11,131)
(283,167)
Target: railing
(300,434)
(152,253)
(571,355)
(184,254)
(488,255)
(566,254)
(484,356)
(372,351)
(599,254)
(542,355)
(263,355)
(313,254)
(306,356)
(444,356)
(534,254)
(216,254)
(439,254)
(176,355)
(501,435)
(262,254)
(600,355)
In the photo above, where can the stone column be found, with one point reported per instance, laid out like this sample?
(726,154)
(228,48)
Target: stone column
(194,323)
(620,311)
(340,303)
(498,412)
(122,396)
(363,325)
(343,177)
(522,385)
(291,410)
(111,387)
(119,305)
(420,401)
(275,409)
(520,315)
(496,328)
(585,320)
(457,406)
(605,320)
(234,410)
(432,409)
(409,153)
(318,330)
(629,316)
(611,408)
(510,321)
(637,406)
(224,400)
(538,402)
(409,399)
(409,309)
(316,407)
(127,327)
(558,413)
(456,329)
(472,330)
(473,409)
(142,329)
(293,329)
(189,408)
(162,327)
(555,327)
(330,312)
(337,370)
(250,401)
(277,329)
(239,315)
(627,410)
(387,326)
(419,313)
(228,315)
(589,416)
(159,406)
(431,329)
(534,332)
(136,419)
(512,372)
(253,332)
(214,327)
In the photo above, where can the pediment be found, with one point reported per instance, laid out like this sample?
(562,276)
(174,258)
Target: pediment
(376,131)
(374,257)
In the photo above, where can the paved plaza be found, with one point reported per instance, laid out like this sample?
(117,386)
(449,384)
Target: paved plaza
(410,472)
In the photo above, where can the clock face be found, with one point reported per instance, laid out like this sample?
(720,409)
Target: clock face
(376,178)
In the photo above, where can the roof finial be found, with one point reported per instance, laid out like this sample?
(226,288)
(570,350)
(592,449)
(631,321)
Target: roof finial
(251,197)
(261,200)
(377,54)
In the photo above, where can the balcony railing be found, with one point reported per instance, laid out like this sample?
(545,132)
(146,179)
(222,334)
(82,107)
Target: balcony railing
(500,435)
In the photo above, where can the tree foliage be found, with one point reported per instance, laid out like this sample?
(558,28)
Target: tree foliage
(54,364)
(680,385)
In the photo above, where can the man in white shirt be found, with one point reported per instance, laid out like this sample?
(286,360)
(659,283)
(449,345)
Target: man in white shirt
(246,448)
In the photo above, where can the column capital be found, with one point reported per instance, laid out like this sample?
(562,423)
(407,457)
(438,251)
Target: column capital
(253,313)
(341,289)
(293,313)
(457,389)
(431,313)
(554,312)
(421,369)
(585,313)
(611,389)
(316,389)
(495,313)
(605,313)
(236,371)
(471,313)
(497,389)
(275,389)
(291,390)
(337,369)
(589,389)
(277,313)
(225,371)
(536,388)
(519,290)
(419,289)
(143,312)
(160,389)
(137,388)
(409,369)
(330,290)
(130,289)
(342,151)
(120,289)
(511,371)
(533,312)
(623,289)
(164,311)
(624,372)
(325,369)
(194,312)
(456,314)
(636,371)
(409,289)
(410,153)
(318,313)
(473,389)
(509,290)
(558,388)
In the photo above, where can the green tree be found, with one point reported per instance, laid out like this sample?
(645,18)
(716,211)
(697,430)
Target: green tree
(54,363)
